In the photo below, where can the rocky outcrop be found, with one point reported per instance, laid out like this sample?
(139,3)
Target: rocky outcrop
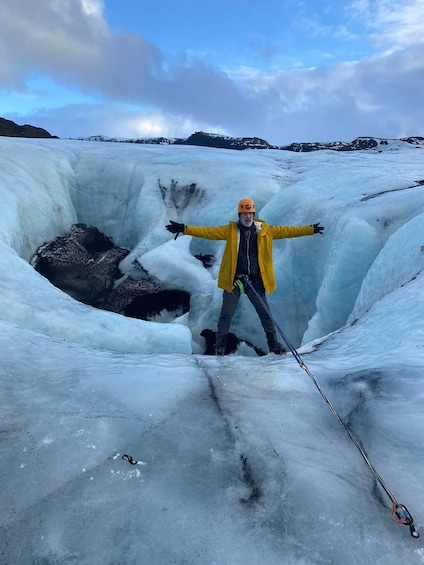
(225,142)
(145,298)
(10,129)
(233,343)
(85,265)
(358,144)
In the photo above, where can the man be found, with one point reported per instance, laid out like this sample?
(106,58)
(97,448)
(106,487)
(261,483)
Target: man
(248,252)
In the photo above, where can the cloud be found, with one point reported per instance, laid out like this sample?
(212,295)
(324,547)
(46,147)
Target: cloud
(116,120)
(376,96)
(135,90)
(393,25)
(70,42)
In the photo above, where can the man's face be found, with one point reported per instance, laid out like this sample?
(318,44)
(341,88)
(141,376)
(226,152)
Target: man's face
(246,218)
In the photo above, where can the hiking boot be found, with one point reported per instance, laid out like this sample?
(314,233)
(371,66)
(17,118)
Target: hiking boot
(221,344)
(274,345)
(278,349)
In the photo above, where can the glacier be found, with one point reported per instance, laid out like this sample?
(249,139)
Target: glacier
(239,459)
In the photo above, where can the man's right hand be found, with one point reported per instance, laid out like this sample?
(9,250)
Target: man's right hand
(175,227)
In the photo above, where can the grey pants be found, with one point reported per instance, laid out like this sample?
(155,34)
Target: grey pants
(229,304)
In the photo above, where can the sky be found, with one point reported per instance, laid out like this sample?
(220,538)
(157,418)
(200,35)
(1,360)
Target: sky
(283,70)
(238,459)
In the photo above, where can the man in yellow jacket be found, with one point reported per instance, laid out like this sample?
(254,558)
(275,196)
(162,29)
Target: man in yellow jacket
(248,252)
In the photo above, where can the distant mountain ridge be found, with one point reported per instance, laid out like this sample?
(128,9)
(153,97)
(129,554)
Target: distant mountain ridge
(11,129)
(203,139)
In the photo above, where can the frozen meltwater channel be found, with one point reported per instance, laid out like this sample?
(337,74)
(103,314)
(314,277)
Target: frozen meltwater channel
(239,459)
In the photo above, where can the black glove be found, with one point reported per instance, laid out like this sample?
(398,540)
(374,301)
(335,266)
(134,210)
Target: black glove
(318,228)
(175,227)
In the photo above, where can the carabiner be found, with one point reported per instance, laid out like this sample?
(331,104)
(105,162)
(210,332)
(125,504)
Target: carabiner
(401,515)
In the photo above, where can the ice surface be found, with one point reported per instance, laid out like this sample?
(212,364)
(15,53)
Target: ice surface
(239,460)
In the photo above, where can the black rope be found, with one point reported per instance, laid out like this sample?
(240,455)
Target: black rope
(128,458)
(400,513)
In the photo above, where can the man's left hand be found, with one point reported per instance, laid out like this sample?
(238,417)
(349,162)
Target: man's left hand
(318,228)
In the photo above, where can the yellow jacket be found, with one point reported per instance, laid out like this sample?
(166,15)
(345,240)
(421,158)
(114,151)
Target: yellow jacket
(230,233)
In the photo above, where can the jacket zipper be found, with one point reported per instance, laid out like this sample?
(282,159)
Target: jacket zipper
(248,251)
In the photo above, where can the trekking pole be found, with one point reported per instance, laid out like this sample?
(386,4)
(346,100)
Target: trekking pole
(400,514)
